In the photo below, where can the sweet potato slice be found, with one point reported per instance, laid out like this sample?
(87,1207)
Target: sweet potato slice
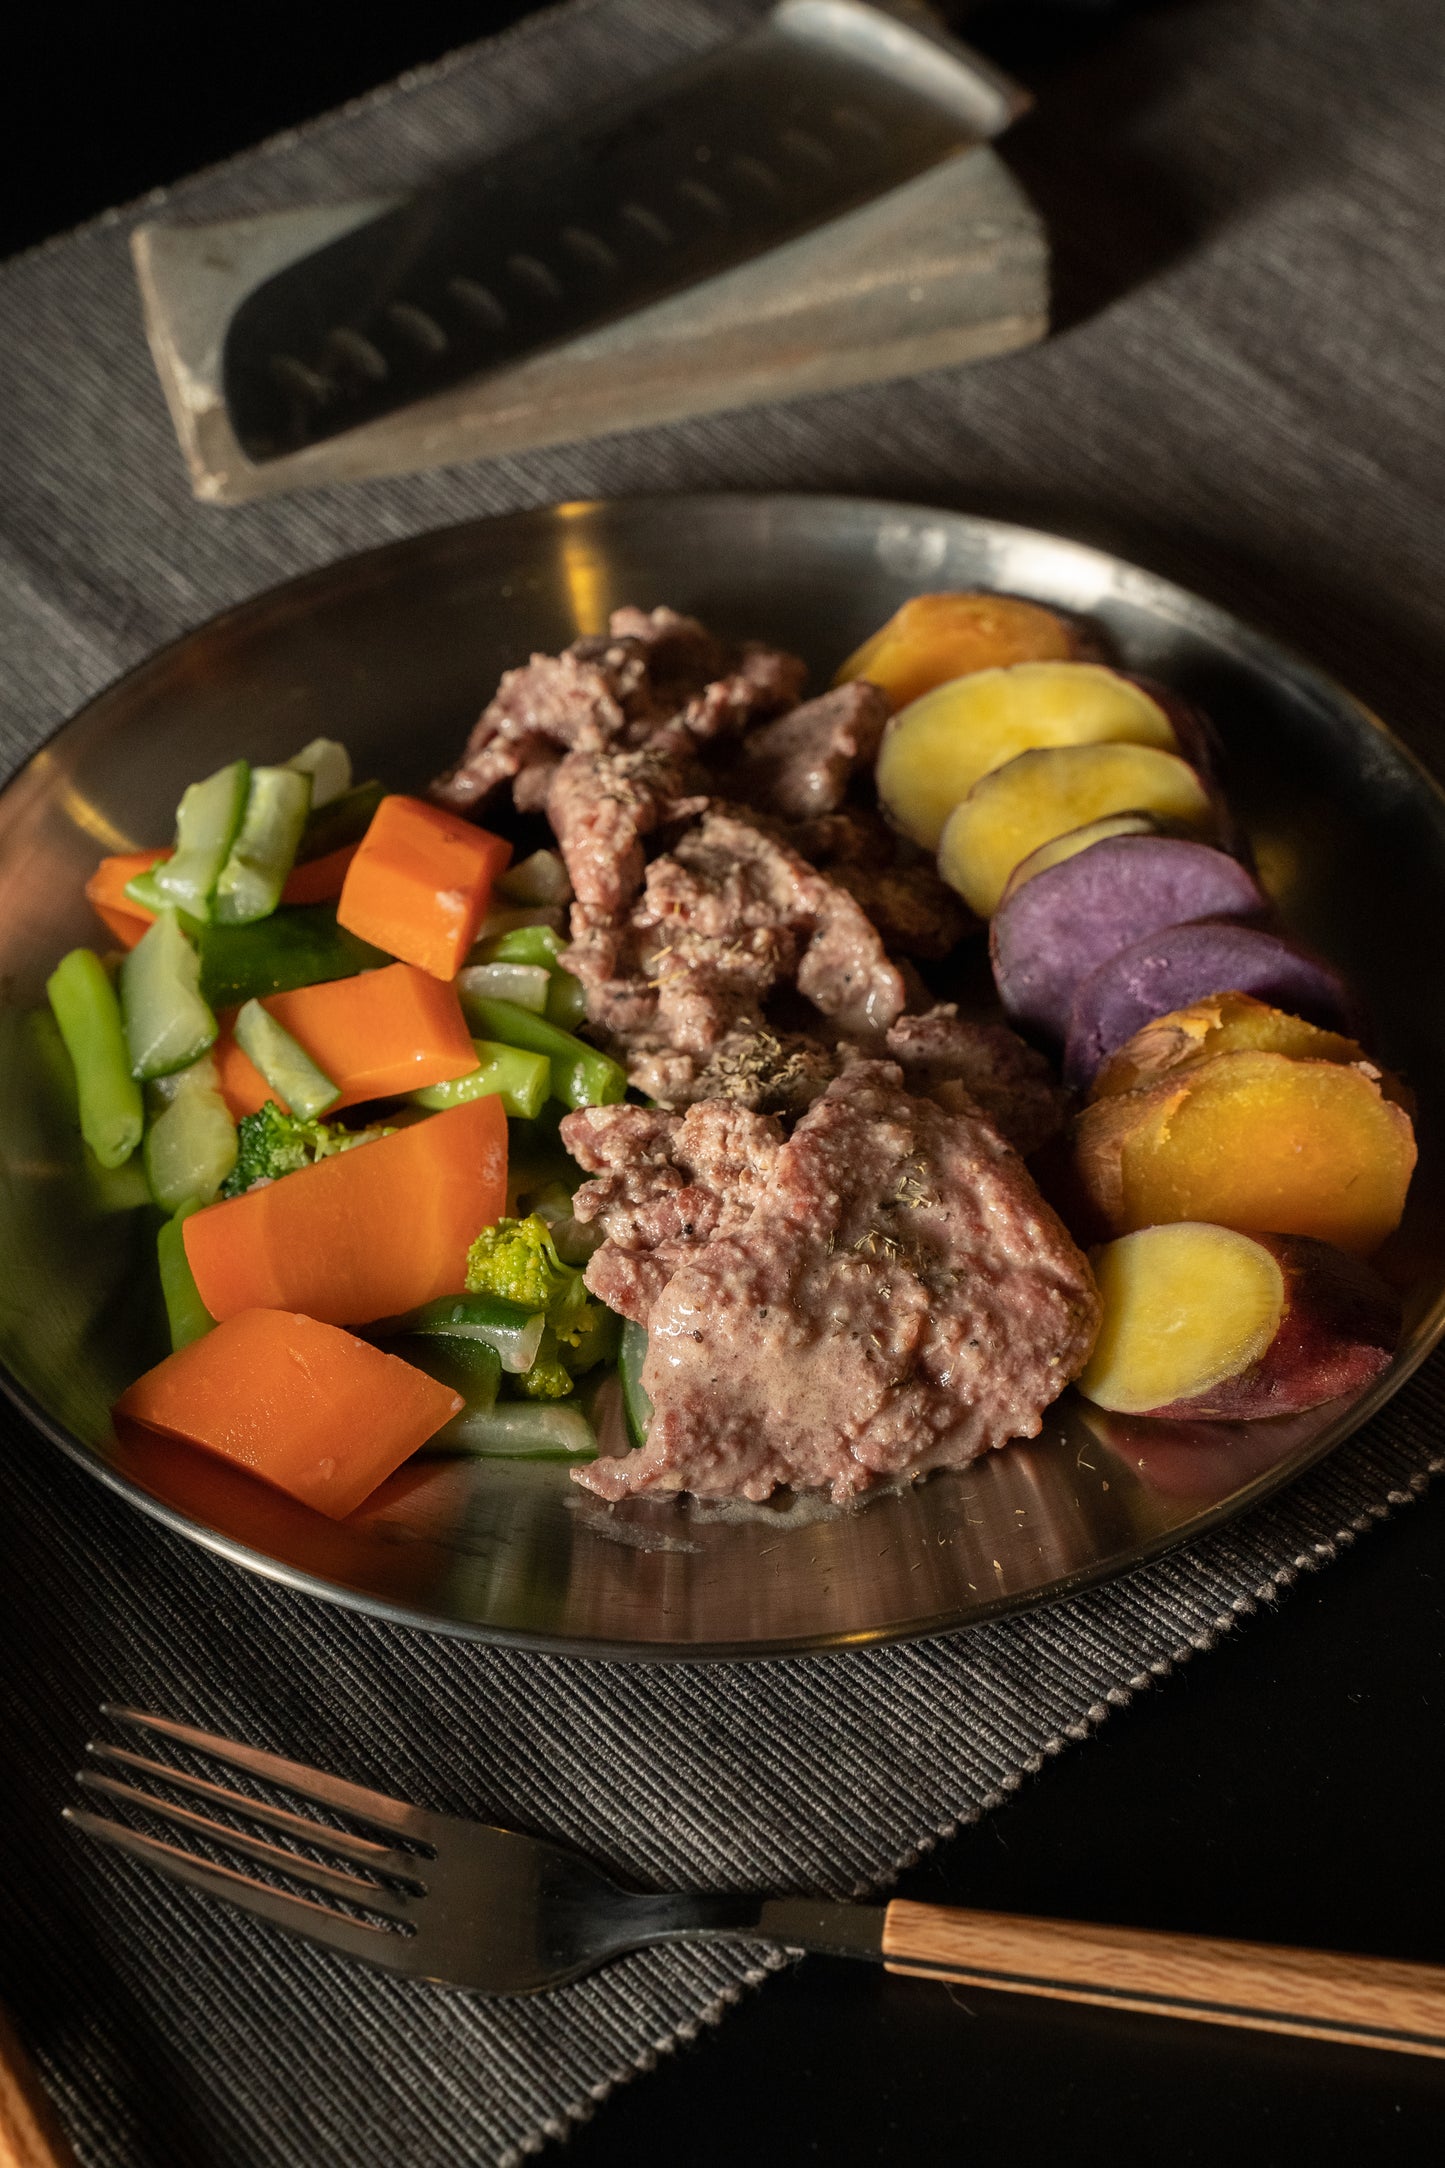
(937,637)
(1050,934)
(936,750)
(1226,1024)
(1255,1142)
(1181,964)
(1202,1322)
(1044,793)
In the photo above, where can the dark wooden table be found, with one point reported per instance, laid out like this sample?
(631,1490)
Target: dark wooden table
(1283,1787)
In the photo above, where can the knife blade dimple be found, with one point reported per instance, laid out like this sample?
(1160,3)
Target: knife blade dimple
(826,105)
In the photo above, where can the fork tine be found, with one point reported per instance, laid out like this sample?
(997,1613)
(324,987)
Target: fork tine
(318,1923)
(371,1895)
(368,1806)
(364,1850)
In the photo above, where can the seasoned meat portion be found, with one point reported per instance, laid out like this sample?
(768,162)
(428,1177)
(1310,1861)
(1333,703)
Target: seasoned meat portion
(681,656)
(602,803)
(801,764)
(725,916)
(764,681)
(664,1185)
(772,1072)
(899,1298)
(640,675)
(966,1065)
(730,911)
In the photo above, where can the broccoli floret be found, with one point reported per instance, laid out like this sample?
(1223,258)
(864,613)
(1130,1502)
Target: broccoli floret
(547,1379)
(592,1340)
(270,1144)
(518,1259)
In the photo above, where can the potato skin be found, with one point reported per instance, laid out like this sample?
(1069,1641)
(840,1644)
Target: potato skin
(1340,1329)
(1226,1024)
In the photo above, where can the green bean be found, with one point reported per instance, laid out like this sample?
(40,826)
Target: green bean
(581,1077)
(87,1012)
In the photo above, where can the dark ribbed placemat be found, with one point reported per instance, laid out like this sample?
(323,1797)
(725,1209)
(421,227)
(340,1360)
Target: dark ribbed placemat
(1245,393)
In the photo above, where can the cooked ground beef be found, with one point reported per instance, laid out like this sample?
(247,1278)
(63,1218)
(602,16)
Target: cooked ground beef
(801,764)
(646,668)
(967,1066)
(666,1183)
(883,1291)
(764,681)
(730,911)
(898,1298)
(754,1066)
(602,803)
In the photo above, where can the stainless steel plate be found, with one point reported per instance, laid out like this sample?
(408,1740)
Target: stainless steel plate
(394,652)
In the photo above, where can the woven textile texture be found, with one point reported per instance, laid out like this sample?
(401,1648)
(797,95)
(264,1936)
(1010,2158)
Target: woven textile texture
(1244,392)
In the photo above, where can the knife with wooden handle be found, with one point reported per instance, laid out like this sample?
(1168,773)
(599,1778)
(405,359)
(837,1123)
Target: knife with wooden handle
(30,2136)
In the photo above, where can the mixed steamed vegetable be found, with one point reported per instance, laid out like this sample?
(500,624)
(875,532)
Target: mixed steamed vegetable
(331,1004)
(339,1033)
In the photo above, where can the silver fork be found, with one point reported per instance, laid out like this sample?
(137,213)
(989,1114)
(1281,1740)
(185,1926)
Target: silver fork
(470,1905)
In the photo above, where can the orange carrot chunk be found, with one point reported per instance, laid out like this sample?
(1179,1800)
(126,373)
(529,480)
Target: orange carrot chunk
(365,1234)
(420,883)
(314,1411)
(105,892)
(376,1036)
(319,879)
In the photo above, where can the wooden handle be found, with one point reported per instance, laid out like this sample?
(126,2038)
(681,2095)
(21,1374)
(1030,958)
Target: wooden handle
(1363,2001)
(30,2137)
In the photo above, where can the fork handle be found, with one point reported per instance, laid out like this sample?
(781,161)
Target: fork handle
(1361,2001)
(30,2137)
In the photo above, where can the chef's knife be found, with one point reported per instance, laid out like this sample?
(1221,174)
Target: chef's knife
(827,104)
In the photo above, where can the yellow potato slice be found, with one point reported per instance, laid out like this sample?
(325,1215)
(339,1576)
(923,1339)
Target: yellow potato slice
(1016,809)
(1185,1307)
(937,637)
(936,750)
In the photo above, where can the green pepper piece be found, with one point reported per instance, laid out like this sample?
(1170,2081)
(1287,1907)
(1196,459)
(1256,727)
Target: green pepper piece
(520,1080)
(186,1313)
(286,1066)
(190,1145)
(581,1077)
(514,1331)
(566,1000)
(264,851)
(520,1430)
(344,820)
(208,820)
(472,1368)
(88,1015)
(523,945)
(299,945)
(168,1023)
(636,1400)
